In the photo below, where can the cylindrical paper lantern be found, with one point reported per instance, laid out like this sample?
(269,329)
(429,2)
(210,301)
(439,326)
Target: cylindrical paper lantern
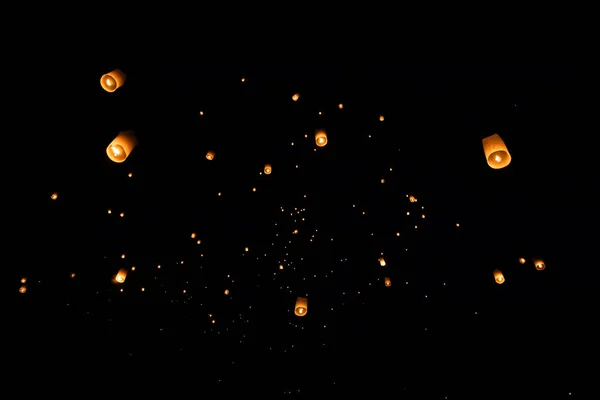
(210,155)
(495,150)
(296,96)
(119,149)
(498,277)
(522,260)
(301,306)
(321,137)
(539,264)
(23,289)
(382,262)
(268,169)
(387,281)
(113,80)
(121,275)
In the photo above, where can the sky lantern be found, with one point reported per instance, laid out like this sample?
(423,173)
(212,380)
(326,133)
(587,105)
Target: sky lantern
(301,306)
(321,137)
(296,97)
(121,275)
(119,149)
(539,264)
(113,80)
(54,196)
(210,155)
(382,262)
(268,169)
(522,260)
(498,277)
(387,281)
(496,153)
(23,289)
(381,118)
(412,199)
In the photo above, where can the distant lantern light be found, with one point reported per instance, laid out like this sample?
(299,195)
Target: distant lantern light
(54,196)
(321,138)
(193,235)
(23,289)
(539,264)
(387,281)
(496,153)
(210,155)
(72,275)
(296,97)
(113,80)
(268,169)
(119,149)
(301,307)
(412,199)
(121,275)
(382,262)
(381,118)
(226,292)
(522,260)
(498,276)
(340,106)
(24,279)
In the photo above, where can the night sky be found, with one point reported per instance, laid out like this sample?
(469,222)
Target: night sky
(218,252)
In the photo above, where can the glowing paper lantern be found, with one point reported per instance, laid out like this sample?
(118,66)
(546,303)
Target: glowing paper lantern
(539,264)
(496,153)
(296,97)
(210,155)
(522,260)
(119,149)
(301,306)
(321,138)
(387,281)
(113,80)
(412,199)
(382,262)
(23,289)
(54,196)
(121,275)
(268,169)
(498,277)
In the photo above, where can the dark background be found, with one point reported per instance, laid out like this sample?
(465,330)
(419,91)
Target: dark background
(443,329)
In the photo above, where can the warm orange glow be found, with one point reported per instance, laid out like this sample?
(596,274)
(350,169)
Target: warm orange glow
(388,282)
(321,138)
(23,289)
(498,277)
(121,275)
(539,264)
(268,169)
(23,280)
(226,292)
(296,97)
(340,106)
(522,260)
(210,155)
(495,151)
(301,307)
(382,262)
(193,235)
(381,118)
(72,275)
(412,199)
(113,80)
(54,196)
(119,149)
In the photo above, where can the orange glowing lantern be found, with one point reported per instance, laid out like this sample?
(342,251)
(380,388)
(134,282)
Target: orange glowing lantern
(54,196)
(382,262)
(321,137)
(268,169)
(113,80)
(522,260)
(210,155)
(119,149)
(412,199)
(226,292)
(381,118)
(296,97)
(121,275)
(387,281)
(24,280)
(193,235)
(498,277)
(23,289)
(301,306)
(495,150)
(539,264)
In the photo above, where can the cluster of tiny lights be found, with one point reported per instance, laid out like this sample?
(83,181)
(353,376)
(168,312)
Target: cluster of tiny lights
(264,264)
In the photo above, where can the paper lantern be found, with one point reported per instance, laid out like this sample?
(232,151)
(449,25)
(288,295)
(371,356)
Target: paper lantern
(268,169)
(210,155)
(119,149)
(539,264)
(382,262)
(121,275)
(24,279)
(412,199)
(522,260)
(301,306)
(496,153)
(498,277)
(113,80)
(23,289)
(321,138)
(387,281)
(54,196)
(296,97)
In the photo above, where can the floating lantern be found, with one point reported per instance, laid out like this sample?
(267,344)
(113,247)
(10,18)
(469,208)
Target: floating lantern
(54,196)
(23,289)
(23,280)
(296,97)
(539,264)
(210,155)
(121,275)
(381,118)
(382,262)
(226,292)
(387,281)
(498,277)
(321,138)
(341,106)
(412,199)
(522,260)
(268,169)
(119,149)
(301,306)
(113,80)
(496,153)
(193,235)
